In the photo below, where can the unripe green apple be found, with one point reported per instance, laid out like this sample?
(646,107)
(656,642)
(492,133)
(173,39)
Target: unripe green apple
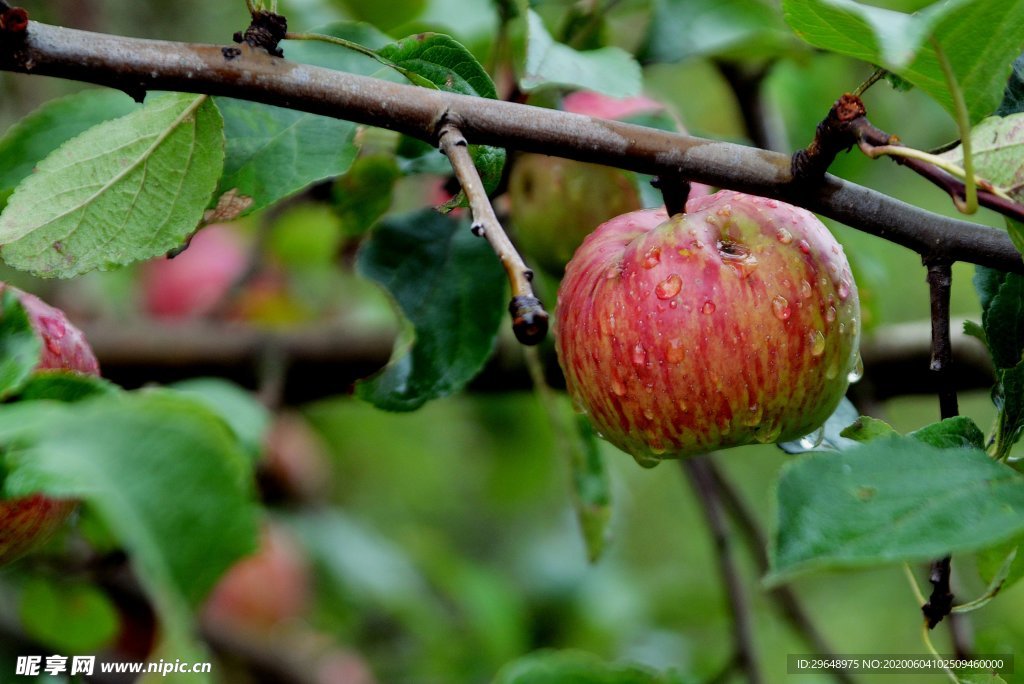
(28,521)
(736,322)
(555,202)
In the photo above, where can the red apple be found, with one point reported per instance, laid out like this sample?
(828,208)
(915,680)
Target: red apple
(264,590)
(733,323)
(191,284)
(27,522)
(296,462)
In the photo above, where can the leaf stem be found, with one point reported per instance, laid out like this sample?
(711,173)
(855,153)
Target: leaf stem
(926,637)
(963,122)
(877,75)
(529,319)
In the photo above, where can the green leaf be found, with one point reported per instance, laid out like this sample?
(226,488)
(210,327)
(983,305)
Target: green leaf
(980,37)
(162,473)
(451,290)
(591,488)
(681,29)
(866,428)
(128,189)
(273,152)
(20,345)
(1008,397)
(577,667)
(364,194)
(951,433)
(981,679)
(991,563)
(68,616)
(889,501)
(59,385)
(997,146)
(371,569)
(1013,96)
(987,282)
(247,417)
(1003,320)
(830,437)
(49,126)
(608,70)
(442,61)
(975,330)
(1015,229)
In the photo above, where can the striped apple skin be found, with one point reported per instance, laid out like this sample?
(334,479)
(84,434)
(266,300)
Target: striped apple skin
(734,323)
(27,522)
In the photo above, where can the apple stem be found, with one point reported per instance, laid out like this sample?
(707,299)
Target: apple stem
(529,319)
(675,190)
(704,486)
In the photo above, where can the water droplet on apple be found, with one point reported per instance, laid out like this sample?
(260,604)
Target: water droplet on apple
(857,372)
(830,314)
(725,211)
(805,290)
(658,449)
(708,308)
(613,272)
(781,309)
(673,304)
(645,461)
(813,440)
(754,414)
(618,387)
(639,354)
(653,257)
(843,290)
(675,353)
(842,328)
(669,287)
(817,343)
(804,247)
(833,369)
(648,414)
(784,236)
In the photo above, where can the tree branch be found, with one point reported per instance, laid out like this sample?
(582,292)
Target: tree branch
(137,66)
(697,471)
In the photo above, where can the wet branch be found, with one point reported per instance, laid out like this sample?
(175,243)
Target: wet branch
(137,66)
(529,319)
(697,472)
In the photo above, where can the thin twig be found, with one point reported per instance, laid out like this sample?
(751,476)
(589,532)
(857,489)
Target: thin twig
(970,204)
(529,319)
(137,65)
(742,620)
(782,596)
(940,281)
(876,75)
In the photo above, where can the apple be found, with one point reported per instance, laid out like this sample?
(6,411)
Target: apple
(554,203)
(736,322)
(264,590)
(296,461)
(194,282)
(27,522)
